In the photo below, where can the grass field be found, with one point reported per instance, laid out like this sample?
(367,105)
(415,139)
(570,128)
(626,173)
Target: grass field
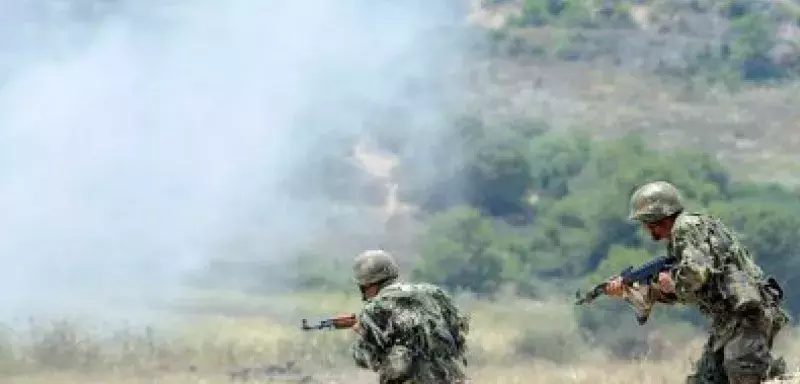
(511,341)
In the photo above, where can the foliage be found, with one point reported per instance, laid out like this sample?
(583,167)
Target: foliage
(740,47)
(573,13)
(467,252)
(575,194)
(754,39)
(489,164)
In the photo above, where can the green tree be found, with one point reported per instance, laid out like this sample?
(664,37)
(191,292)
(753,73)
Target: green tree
(461,251)
(754,38)
(555,159)
(486,167)
(536,12)
(499,177)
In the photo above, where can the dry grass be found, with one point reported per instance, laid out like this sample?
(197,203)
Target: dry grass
(205,347)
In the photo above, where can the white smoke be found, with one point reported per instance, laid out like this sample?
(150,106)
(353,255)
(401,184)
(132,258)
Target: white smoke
(132,145)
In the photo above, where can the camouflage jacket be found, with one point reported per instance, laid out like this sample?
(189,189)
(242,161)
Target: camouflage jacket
(412,333)
(716,273)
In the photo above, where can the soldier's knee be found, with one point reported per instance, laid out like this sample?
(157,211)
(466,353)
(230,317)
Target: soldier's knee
(710,376)
(708,369)
(746,356)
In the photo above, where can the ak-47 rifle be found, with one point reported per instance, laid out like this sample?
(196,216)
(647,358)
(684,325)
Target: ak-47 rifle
(637,290)
(339,322)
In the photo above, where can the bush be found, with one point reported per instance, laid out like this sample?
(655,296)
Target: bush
(463,252)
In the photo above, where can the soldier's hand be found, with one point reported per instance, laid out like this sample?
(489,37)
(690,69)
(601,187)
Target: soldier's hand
(665,283)
(357,329)
(614,287)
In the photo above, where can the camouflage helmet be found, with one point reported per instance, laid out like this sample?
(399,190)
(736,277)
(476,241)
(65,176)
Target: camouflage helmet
(373,266)
(655,201)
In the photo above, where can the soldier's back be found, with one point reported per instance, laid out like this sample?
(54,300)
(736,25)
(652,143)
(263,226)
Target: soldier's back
(429,321)
(723,242)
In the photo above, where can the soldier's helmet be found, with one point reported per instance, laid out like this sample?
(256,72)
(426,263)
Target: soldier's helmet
(373,266)
(655,201)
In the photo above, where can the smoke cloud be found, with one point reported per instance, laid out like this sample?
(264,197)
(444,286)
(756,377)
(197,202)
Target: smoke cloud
(136,139)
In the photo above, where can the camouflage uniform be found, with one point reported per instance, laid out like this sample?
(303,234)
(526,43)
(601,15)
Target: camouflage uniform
(716,273)
(411,333)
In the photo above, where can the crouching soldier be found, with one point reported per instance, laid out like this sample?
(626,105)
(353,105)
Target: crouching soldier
(408,333)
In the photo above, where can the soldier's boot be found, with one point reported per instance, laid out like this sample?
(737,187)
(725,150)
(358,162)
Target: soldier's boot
(744,379)
(777,368)
(706,378)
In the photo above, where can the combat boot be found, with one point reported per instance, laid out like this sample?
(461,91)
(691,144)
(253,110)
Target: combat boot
(777,368)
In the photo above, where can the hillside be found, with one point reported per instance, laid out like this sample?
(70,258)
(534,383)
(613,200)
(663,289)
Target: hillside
(610,79)
(513,168)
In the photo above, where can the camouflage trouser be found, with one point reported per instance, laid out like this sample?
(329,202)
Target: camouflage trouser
(447,372)
(747,355)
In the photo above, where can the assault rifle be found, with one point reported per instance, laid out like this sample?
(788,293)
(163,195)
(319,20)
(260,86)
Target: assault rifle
(637,291)
(339,322)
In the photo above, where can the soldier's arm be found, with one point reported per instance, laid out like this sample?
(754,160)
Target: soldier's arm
(461,317)
(695,259)
(364,354)
(370,346)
